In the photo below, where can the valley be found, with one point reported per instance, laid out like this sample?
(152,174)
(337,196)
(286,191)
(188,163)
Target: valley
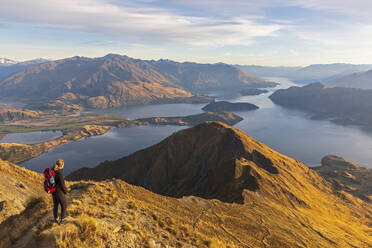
(281,128)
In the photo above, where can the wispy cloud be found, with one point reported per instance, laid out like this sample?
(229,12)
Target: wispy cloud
(142,25)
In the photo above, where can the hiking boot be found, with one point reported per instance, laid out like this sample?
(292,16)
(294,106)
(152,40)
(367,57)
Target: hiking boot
(56,220)
(61,221)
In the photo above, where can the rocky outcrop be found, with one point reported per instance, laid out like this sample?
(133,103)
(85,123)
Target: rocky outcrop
(347,176)
(191,120)
(223,106)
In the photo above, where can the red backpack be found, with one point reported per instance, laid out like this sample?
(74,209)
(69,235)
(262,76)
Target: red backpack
(49,182)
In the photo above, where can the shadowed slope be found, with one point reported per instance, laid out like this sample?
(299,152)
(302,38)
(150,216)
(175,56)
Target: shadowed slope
(213,160)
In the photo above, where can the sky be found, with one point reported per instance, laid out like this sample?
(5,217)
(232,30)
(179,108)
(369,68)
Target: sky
(261,32)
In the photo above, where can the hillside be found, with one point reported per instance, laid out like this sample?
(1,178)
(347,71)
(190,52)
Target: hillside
(285,204)
(116,80)
(344,105)
(347,176)
(17,187)
(16,114)
(361,80)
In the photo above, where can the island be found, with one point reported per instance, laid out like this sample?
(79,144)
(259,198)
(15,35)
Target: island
(224,106)
(192,120)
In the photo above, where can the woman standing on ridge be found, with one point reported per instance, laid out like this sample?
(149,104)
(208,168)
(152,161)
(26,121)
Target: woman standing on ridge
(59,197)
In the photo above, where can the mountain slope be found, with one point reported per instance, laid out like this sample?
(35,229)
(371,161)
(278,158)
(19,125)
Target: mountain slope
(346,105)
(116,80)
(347,176)
(361,80)
(291,207)
(213,160)
(17,187)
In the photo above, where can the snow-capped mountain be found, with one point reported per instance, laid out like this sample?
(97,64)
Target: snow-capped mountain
(5,61)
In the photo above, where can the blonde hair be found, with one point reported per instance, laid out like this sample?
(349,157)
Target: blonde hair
(59,164)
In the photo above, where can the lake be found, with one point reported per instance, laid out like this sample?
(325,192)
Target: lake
(31,137)
(290,132)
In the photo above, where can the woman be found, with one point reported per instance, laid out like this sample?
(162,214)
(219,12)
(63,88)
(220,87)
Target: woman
(59,197)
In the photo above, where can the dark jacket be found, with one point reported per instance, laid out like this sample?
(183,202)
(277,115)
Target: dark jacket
(60,182)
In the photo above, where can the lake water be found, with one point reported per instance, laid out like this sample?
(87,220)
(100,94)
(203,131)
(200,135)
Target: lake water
(89,152)
(290,132)
(31,138)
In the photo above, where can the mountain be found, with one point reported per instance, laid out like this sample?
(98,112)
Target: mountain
(308,74)
(347,176)
(269,71)
(345,105)
(7,62)
(8,67)
(116,80)
(211,160)
(326,72)
(276,200)
(361,80)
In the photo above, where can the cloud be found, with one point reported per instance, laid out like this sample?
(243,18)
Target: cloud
(357,8)
(145,24)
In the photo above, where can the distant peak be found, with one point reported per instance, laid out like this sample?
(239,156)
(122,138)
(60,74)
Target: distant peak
(315,86)
(5,61)
(113,56)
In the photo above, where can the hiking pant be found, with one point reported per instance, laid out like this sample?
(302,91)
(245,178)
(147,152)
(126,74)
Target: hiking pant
(59,199)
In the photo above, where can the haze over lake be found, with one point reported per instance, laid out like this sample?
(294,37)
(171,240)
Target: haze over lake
(290,132)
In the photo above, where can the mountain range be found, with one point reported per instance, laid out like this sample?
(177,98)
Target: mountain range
(344,105)
(8,66)
(361,80)
(115,80)
(309,74)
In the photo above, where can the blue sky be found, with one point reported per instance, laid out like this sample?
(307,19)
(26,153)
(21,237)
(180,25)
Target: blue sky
(266,32)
